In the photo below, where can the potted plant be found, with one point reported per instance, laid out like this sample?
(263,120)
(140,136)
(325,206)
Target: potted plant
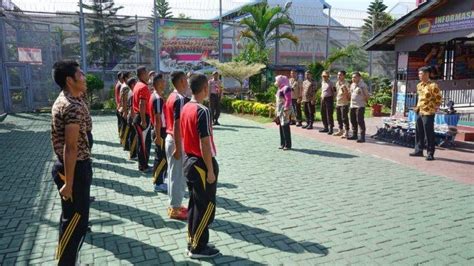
(376,105)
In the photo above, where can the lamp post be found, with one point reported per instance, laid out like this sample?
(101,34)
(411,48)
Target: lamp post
(155,37)
(328,31)
(221,56)
(83,38)
(277,32)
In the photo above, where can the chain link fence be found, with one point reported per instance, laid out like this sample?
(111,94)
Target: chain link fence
(32,42)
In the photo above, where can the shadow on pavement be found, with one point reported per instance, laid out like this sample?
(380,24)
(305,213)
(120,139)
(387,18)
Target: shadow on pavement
(128,249)
(226,185)
(28,116)
(453,160)
(108,143)
(326,153)
(111,158)
(233,205)
(232,260)
(133,214)
(225,129)
(26,157)
(267,239)
(240,126)
(117,169)
(104,222)
(122,188)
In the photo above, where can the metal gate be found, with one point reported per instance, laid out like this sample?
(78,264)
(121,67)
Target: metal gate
(27,51)
(17,91)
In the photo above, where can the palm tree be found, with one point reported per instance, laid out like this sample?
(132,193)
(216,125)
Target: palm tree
(262,24)
(317,68)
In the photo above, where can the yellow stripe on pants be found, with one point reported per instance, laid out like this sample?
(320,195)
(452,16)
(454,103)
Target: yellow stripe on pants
(203,224)
(158,169)
(67,234)
(202,174)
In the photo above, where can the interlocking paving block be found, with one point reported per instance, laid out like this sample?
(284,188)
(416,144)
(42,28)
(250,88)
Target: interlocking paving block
(317,204)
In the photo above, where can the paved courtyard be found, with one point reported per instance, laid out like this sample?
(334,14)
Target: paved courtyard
(319,203)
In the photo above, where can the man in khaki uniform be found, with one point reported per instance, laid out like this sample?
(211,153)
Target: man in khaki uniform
(296,97)
(343,98)
(429,100)
(309,99)
(359,99)
(327,103)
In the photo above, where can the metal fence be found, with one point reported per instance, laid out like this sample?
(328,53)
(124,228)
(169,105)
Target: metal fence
(32,42)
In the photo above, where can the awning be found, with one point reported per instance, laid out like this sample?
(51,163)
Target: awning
(413,43)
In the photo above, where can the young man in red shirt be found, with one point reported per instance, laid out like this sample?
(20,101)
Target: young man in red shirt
(156,106)
(174,148)
(141,97)
(117,87)
(200,168)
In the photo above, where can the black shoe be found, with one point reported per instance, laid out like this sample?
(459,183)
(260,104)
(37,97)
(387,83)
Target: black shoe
(209,245)
(416,154)
(430,157)
(292,123)
(330,132)
(281,147)
(360,140)
(305,126)
(208,252)
(217,123)
(310,127)
(146,169)
(324,130)
(299,124)
(353,137)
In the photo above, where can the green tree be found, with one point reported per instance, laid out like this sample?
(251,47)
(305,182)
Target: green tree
(262,23)
(252,54)
(377,19)
(163,10)
(106,42)
(357,60)
(94,85)
(240,71)
(317,68)
(183,16)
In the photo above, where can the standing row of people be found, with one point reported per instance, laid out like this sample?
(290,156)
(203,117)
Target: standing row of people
(180,127)
(350,101)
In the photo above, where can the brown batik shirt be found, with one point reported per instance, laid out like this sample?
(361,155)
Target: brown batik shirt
(70,110)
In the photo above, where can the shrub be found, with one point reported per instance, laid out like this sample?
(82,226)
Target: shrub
(247,107)
(226,104)
(97,106)
(110,104)
(94,84)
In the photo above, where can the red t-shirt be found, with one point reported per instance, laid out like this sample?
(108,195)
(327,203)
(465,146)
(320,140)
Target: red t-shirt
(195,125)
(156,107)
(118,85)
(140,92)
(173,108)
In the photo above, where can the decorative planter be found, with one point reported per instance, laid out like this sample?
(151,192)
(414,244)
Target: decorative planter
(377,109)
